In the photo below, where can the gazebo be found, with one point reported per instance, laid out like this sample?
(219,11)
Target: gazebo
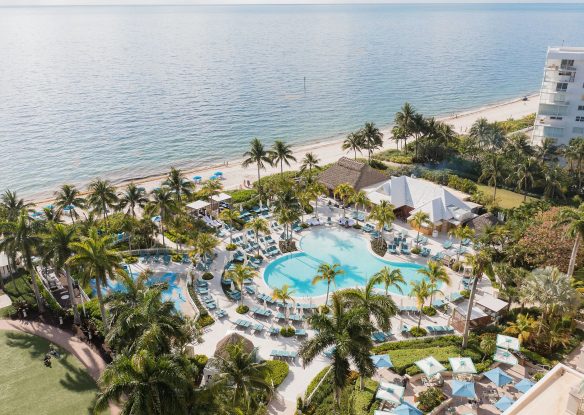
(221,350)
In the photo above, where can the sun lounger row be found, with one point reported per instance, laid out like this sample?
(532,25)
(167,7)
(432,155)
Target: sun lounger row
(408,309)
(380,337)
(266,298)
(440,329)
(242,323)
(284,353)
(264,312)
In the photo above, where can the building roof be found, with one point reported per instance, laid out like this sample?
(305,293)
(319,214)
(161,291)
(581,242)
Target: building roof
(198,204)
(440,203)
(559,388)
(491,303)
(221,197)
(481,222)
(355,173)
(221,350)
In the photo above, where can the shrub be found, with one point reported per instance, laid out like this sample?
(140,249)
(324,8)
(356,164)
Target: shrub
(231,247)
(276,372)
(379,165)
(418,331)
(430,399)
(357,226)
(243,196)
(207,276)
(287,331)
(130,259)
(465,294)
(457,266)
(205,320)
(429,311)
(200,360)
(304,225)
(177,258)
(242,309)
(537,377)
(379,246)
(416,250)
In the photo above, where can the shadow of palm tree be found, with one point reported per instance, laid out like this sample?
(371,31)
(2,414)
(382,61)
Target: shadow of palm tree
(36,346)
(76,379)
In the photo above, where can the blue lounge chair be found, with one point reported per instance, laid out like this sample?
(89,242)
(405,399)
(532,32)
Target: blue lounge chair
(405,249)
(465,242)
(447,244)
(274,331)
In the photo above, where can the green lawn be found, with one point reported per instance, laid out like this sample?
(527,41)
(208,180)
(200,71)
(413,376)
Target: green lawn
(28,387)
(505,198)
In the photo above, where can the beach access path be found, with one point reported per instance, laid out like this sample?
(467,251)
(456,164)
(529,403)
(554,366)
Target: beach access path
(234,175)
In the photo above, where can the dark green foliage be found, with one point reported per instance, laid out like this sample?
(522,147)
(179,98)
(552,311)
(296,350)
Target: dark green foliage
(430,399)
(418,331)
(429,311)
(287,331)
(276,371)
(242,309)
(207,276)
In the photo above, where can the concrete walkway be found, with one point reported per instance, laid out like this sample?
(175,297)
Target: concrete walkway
(92,361)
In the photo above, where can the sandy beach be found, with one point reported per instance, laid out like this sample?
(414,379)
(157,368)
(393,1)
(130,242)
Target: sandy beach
(329,151)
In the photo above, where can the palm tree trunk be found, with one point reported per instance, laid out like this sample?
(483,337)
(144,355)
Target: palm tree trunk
(355,150)
(101,305)
(35,288)
(328,287)
(575,250)
(72,216)
(420,316)
(258,244)
(495,192)
(76,318)
(162,231)
(105,215)
(469,311)
(259,183)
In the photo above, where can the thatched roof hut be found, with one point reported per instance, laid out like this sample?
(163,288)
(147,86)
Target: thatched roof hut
(358,175)
(480,223)
(232,338)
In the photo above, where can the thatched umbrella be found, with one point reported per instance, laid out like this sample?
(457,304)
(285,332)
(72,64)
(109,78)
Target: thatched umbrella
(229,339)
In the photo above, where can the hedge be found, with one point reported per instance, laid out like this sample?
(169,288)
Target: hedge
(242,196)
(276,372)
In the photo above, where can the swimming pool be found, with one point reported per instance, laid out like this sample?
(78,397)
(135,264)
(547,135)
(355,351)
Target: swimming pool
(172,293)
(332,245)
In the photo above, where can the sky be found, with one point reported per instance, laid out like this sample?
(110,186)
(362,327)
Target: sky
(133,2)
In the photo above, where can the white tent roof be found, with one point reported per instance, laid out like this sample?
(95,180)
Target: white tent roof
(198,204)
(3,259)
(475,313)
(491,303)
(221,197)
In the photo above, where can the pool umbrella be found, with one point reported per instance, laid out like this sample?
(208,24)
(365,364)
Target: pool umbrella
(390,392)
(505,356)
(462,365)
(463,389)
(504,403)
(49,207)
(524,385)
(381,360)
(507,342)
(68,208)
(498,377)
(430,366)
(197,178)
(155,219)
(406,409)
(218,173)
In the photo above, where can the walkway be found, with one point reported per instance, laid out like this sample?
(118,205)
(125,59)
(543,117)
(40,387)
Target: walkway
(92,361)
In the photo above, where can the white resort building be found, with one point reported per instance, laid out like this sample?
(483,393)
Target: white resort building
(561,102)
(445,207)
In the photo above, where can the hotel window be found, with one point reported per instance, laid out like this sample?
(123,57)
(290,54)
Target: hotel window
(567,63)
(578,130)
(580,119)
(561,86)
(580,107)
(555,117)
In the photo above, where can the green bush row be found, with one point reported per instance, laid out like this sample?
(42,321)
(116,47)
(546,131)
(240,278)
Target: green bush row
(276,372)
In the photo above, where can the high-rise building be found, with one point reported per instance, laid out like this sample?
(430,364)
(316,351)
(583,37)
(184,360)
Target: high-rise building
(561,101)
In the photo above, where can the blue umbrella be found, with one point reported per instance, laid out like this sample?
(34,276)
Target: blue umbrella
(197,178)
(68,208)
(498,377)
(382,360)
(218,173)
(463,389)
(406,409)
(524,385)
(504,403)
(49,207)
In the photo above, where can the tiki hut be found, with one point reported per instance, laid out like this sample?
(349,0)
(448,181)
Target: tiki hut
(229,339)
(357,174)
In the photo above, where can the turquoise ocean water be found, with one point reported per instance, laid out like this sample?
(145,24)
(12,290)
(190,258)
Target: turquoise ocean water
(125,92)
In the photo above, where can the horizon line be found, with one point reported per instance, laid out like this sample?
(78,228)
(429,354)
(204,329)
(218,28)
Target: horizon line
(302,3)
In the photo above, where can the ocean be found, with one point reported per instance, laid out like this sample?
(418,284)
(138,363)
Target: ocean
(121,92)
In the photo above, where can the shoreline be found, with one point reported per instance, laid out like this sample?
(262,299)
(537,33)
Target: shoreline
(327,149)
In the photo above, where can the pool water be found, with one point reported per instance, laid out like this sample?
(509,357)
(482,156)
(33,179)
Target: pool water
(172,293)
(333,245)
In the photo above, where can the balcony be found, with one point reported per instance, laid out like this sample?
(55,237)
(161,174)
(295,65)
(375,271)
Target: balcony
(559,67)
(554,77)
(552,97)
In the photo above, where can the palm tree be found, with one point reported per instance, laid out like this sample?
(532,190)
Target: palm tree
(389,278)
(421,291)
(244,373)
(522,327)
(349,332)
(345,192)
(404,121)
(258,225)
(328,273)
(360,198)
(492,170)
(574,153)
(419,219)
(282,153)
(481,262)
(383,215)
(13,205)
(354,143)
(380,308)
(69,198)
(554,179)
(310,161)
(133,198)
(259,156)
(179,184)
(523,175)
(316,189)
(238,275)
(210,188)
(102,196)
(372,139)
(573,220)
(229,216)
(147,384)
(57,250)
(94,254)
(205,244)
(435,273)
(461,233)
(22,236)
(547,149)
(283,294)
(142,320)
(480,131)
(163,204)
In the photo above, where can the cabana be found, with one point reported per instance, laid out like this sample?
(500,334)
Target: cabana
(199,207)
(491,305)
(430,366)
(462,365)
(478,318)
(390,392)
(216,200)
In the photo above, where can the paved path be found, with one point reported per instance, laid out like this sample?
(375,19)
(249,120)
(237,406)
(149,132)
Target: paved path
(92,361)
